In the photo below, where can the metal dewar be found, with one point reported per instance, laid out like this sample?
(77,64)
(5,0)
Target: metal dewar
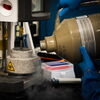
(72,33)
(22,62)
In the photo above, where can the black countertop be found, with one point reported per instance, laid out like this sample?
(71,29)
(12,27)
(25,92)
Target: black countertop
(47,91)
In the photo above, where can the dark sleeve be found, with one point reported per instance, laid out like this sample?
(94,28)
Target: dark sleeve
(91,86)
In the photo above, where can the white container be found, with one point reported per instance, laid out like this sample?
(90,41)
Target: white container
(58,69)
(10,13)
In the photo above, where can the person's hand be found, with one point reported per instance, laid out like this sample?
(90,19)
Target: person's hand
(87,64)
(67,5)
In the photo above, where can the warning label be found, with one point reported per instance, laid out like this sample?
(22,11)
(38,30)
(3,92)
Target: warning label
(10,66)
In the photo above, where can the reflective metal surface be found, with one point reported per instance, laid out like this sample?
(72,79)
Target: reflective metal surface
(37,5)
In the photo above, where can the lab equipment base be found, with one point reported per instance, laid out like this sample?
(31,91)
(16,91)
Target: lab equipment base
(15,84)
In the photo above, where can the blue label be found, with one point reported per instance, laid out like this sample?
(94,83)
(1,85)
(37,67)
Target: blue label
(57,63)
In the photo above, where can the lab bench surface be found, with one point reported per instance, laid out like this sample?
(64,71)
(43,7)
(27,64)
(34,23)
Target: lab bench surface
(47,91)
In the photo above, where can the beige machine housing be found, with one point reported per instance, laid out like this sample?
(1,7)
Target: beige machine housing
(72,33)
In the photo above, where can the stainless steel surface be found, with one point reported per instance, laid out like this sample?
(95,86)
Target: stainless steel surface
(87,34)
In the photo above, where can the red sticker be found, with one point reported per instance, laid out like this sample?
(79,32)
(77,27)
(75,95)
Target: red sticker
(7,7)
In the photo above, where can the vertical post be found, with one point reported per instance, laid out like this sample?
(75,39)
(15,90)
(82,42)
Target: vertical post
(4,43)
(30,42)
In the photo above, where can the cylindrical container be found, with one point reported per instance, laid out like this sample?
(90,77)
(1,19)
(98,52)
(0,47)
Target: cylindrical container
(22,62)
(72,33)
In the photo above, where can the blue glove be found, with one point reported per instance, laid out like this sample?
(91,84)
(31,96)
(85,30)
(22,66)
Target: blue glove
(86,64)
(68,5)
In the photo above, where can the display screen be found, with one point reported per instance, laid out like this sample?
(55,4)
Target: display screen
(37,5)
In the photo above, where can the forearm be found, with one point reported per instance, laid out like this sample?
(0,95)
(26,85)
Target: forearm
(91,85)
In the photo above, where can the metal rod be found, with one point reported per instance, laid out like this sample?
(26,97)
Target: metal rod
(4,26)
(91,2)
(66,80)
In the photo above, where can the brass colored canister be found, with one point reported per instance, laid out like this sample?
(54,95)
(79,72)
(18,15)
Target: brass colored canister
(72,33)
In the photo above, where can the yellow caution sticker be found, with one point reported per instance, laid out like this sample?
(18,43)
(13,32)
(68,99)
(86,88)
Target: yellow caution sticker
(10,66)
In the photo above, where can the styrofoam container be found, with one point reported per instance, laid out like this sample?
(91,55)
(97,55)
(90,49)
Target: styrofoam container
(58,69)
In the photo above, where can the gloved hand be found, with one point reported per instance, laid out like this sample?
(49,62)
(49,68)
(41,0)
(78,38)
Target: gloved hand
(68,5)
(86,64)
